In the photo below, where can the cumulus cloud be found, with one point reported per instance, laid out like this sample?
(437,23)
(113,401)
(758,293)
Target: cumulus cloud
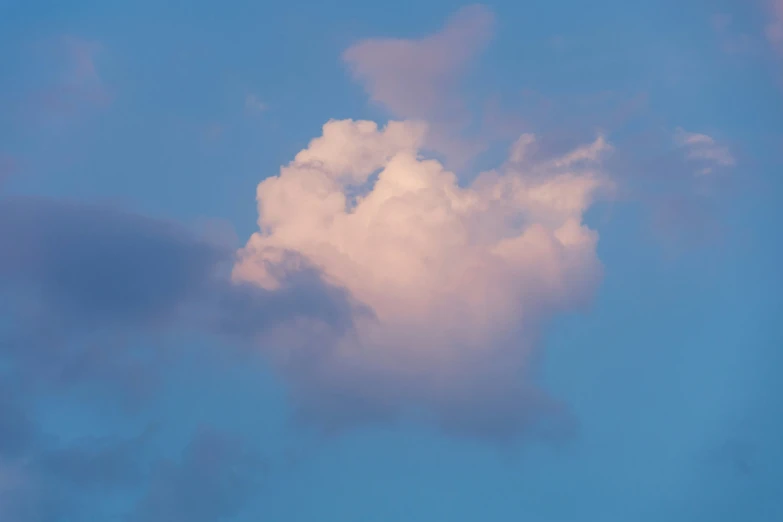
(459,279)
(704,150)
(419,78)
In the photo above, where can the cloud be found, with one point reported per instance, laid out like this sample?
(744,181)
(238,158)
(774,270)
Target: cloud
(253,104)
(415,78)
(89,298)
(775,25)
(99,265)
(704,150)
(43,476)
(17,430)
(84,479)
(420,78)
(83,283)
(81,73)
(721,21)
(733,41)
(66,84)
(98,463)
(96,265)
(460,280)
(7,168)
(15,500)
(214,479)
(681,180)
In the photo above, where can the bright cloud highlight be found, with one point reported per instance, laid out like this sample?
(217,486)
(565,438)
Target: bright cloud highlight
(459,279)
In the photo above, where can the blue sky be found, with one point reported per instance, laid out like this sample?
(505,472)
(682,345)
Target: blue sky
(163,357)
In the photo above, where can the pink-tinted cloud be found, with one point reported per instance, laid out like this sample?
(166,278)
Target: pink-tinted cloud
(417,78)
(680,179)
(732,42)
(420,78)
(75,85)
(775,25)
(721,21)
(459,280)
(703,149)
(82,73)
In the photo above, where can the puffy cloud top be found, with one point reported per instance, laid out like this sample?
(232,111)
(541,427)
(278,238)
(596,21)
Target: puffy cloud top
(459,278)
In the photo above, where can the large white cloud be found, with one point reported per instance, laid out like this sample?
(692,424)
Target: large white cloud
(459,279)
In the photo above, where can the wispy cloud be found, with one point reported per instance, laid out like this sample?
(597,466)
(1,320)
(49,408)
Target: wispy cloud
(16,499)
(417,78)
(81,72)
(732,41)
(73,85)
(253,104)
(420,78)
(213,480)
(775,25)
(703,149)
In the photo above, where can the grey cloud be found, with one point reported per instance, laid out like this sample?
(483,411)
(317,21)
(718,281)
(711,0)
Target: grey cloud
(89,297)
(213,481)
(82,282)
(95,265)
(97,463)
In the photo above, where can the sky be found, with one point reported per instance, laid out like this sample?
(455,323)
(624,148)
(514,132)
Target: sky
(417,261)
